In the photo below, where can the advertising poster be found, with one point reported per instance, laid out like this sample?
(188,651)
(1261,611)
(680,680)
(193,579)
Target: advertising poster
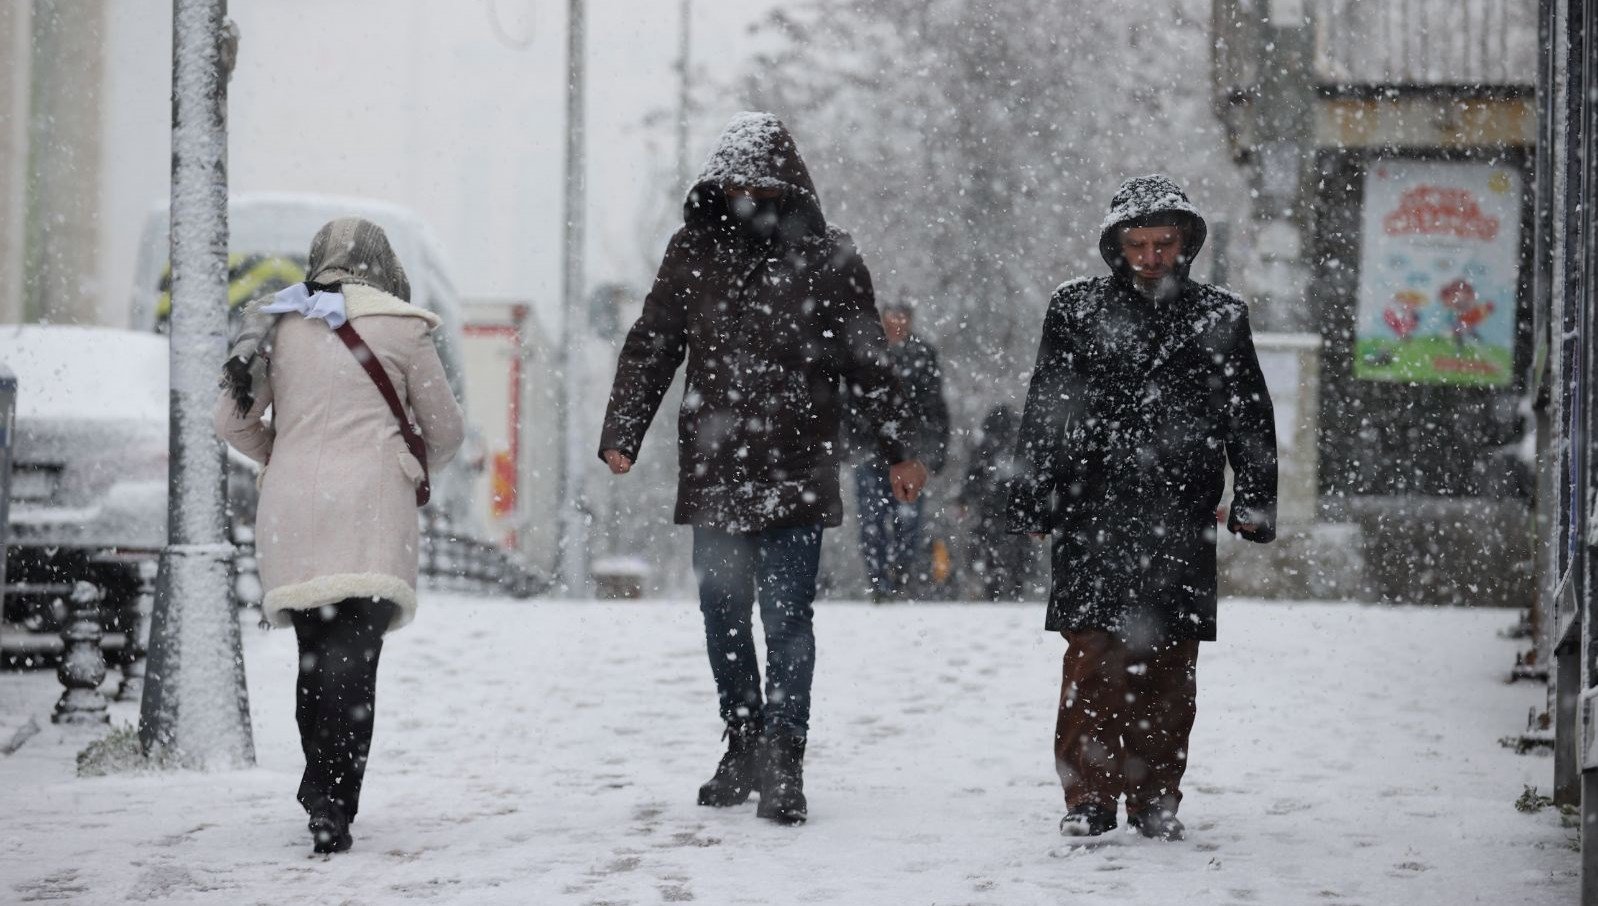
(1439,271)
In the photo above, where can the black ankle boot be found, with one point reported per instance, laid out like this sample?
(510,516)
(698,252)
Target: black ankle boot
(330,830)
(739,769)
(782,782)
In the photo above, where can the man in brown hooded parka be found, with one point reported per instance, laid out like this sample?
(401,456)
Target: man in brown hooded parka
(774,311)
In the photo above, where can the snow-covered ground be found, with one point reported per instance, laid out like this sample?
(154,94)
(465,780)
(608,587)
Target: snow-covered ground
(548,752)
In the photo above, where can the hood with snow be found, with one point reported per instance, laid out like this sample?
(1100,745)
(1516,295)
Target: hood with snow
(1153,200)
(756,151)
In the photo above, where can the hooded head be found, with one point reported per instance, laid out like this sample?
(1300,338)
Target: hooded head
(352,250)
(1151,201)
(757,152)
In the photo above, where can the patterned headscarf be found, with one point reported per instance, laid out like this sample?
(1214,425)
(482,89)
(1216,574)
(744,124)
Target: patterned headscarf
(347,250)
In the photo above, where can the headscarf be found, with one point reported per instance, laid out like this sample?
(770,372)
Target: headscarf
(347,250)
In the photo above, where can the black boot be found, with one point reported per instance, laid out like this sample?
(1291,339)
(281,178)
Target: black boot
(782,783)
(330,830)
(739,769)
(1158,824)
(1088,821)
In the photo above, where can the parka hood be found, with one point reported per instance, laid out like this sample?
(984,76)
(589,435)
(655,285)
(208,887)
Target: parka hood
(756,150)
(1143,201)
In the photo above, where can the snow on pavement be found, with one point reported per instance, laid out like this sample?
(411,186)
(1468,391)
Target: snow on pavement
(549,752)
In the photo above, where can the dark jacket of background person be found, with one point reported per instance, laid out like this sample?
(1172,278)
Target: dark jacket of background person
(915,363)
(775,332)
(1135,408)
(993,469)
(1001,559)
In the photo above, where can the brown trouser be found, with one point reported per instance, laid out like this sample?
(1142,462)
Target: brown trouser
(1125,715)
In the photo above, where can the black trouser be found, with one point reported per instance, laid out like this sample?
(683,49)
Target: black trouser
(336,696)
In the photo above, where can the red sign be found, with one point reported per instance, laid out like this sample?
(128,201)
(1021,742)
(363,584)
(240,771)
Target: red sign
(1440,211)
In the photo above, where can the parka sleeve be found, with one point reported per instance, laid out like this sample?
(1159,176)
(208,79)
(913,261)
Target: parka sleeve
(870,385)
(1053,395)
(650,356)
(433,404)
(249,433)
(1250,440)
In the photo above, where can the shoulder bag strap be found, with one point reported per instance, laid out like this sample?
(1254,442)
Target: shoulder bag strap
(374,370)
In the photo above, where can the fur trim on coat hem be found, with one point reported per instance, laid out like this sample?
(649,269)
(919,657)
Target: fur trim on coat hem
(314,593)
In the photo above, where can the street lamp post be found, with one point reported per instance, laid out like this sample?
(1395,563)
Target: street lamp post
(573,566)
(195,711)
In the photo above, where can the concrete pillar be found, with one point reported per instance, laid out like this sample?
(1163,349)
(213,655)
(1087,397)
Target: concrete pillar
(15,39)
(61,269)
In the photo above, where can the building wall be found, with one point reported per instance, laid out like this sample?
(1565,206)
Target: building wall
(14,62)
(61,219)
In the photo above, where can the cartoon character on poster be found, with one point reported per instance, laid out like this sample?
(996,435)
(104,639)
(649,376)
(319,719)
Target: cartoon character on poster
(1439,273)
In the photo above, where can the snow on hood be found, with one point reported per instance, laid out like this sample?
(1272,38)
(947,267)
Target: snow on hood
(758,151)
(1145,197)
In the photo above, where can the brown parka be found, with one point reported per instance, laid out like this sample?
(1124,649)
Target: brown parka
(775,330)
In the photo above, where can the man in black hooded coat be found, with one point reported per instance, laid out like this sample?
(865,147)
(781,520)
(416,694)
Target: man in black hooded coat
(774,311)
(1146,386)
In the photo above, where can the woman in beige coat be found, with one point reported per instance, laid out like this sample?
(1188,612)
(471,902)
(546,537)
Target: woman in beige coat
(336,525)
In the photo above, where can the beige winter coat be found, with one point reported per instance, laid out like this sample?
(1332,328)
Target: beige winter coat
(337,515)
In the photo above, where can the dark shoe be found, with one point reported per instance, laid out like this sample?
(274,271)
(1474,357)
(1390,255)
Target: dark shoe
(782,783)
(739,769)
(1157,824)
(330,830)
(1088,821)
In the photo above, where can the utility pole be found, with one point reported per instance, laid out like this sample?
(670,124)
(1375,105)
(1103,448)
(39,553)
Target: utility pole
(195,710)
(573,567)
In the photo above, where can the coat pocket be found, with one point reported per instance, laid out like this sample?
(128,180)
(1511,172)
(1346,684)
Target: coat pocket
(409,467)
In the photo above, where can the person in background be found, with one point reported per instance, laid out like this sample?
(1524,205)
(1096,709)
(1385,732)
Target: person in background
(1000,560)
(336,528)
(890,529)
(774,311)
(1146,387)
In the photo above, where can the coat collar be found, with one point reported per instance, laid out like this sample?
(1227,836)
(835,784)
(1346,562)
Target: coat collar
(361,300)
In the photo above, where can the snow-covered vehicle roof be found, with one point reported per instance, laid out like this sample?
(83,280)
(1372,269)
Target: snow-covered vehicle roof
(90,453)
(87,373)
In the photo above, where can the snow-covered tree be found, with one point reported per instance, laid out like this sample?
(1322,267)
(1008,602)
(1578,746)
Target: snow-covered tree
(971,147)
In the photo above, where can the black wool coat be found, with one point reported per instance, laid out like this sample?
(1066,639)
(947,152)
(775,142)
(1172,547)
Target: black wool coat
(776,331)
(1134,410)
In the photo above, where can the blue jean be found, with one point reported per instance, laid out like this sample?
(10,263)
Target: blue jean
(777,567)
(890,531)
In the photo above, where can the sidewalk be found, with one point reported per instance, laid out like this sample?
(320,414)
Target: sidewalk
(548,752)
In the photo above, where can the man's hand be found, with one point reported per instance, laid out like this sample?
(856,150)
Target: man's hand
(907,479)
(1037,536)
(1245,528)
(618,462)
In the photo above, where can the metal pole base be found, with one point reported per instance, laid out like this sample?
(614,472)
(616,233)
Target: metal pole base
(195,711)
